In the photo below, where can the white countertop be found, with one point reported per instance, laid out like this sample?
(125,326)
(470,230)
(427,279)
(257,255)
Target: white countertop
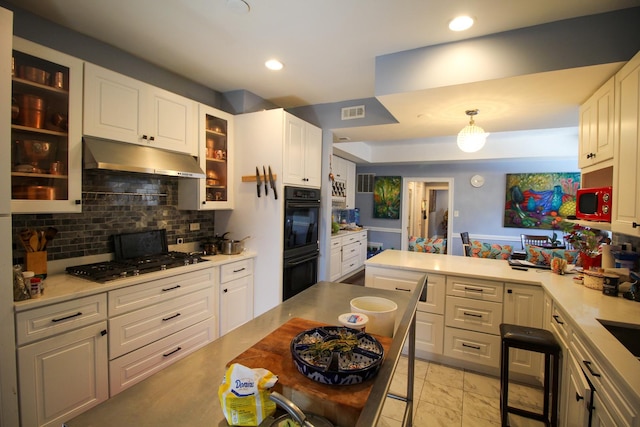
(64,287)
(345,232)
(584,305)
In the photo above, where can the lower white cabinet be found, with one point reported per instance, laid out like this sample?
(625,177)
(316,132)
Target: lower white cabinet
(523,306)
(236,294)
(575,396)
(335,259)
(470,346)
(429,336)
(63,376)
(348,254)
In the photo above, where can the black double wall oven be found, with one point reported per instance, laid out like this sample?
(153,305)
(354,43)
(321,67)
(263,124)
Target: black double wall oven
(301,249)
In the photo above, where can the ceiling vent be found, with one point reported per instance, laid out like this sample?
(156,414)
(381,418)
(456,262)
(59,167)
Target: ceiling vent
(365,182)
(356,112)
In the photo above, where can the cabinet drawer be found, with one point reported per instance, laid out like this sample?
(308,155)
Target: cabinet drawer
(474,315)
(132,368)
(350,265)
(336,243)
(405,280)
(350,238)
(352,250)
(472,346)
(142,295)
(53,319)
(235,270)
(141,327)
(474,288)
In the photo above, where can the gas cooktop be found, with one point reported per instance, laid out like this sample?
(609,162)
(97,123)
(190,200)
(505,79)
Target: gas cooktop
(102,272)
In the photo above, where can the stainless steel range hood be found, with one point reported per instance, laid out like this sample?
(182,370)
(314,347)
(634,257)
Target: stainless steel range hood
(121,156)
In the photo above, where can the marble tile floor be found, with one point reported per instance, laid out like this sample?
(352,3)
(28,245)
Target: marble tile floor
(451,397)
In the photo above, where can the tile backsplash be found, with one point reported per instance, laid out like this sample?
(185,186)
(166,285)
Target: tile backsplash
(114,203)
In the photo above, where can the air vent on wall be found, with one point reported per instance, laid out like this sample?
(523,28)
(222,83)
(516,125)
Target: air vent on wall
(365,182)
(356,112)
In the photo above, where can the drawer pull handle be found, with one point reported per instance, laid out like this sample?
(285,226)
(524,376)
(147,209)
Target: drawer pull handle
(402,289)
(67,317)
(466,288)
(171,317)
(578,397)
(472,314)
(103,332)
(475,347)
(556,318)
(170,289)
(172,352)
(238,271)
(587,363)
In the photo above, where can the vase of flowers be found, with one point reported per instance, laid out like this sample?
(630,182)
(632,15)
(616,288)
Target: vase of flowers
(587,242)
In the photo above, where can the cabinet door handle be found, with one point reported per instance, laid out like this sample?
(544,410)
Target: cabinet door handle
(471,314)
(225,290)
(144,136)
(475,347)
(587,363)
(635,224)
(103,332)
(60,319)
(152,138)
(171,317)
(556,318)
(466,288)
(578,397)
(238,271)
(402,289)
(172,352)
(170,289)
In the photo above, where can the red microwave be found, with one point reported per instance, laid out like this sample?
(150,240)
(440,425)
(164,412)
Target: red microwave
(594,204)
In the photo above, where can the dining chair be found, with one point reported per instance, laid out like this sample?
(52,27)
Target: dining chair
(466,243)
(534,240)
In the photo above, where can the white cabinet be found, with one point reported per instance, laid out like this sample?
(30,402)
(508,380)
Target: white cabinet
(472,320)
(626,184)
(124,109)
(46,158)
(335,259)
(596,130)
(62,360)
(344,185)
(351,185)
(302,153)
(236,294)
(523,306)
(348,254)
(153,324)
(575,397)
(216,158)
(431,307)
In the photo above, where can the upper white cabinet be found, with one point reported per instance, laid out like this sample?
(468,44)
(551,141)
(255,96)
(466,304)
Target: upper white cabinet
(344,185)
(597,127)
(302,153)
(124,109)
(626,187)
(216,155)
(46,130)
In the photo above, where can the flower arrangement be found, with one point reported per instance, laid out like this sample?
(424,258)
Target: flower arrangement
(584,239)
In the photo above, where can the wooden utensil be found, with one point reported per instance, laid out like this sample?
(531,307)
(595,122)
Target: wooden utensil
(49,234)
(33,241)
(25,236)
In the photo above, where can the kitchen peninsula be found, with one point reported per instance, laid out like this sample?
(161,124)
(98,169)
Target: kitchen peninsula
(185,393)
(490,289)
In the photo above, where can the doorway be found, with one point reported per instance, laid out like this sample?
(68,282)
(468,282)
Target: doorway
(427,204)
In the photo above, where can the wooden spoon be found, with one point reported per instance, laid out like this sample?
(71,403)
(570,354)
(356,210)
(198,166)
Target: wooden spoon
(25,235)
(33,241)
(49,235)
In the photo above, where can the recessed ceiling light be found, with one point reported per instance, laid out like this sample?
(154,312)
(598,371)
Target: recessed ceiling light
(461,23)
(273,64)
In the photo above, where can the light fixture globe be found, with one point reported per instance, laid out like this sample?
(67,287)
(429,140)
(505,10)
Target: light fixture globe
(471,138)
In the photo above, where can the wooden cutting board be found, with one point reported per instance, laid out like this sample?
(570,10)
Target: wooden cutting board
(340,404)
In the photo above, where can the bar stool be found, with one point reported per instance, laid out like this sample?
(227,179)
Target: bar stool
(540,341)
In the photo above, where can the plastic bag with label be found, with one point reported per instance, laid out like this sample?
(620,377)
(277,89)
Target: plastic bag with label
(244,395)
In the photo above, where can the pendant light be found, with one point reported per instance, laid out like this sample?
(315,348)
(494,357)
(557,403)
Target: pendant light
(471,138)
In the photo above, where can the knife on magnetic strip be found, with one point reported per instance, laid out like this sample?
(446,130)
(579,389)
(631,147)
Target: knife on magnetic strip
(273,184)
(266,188)
(258,181)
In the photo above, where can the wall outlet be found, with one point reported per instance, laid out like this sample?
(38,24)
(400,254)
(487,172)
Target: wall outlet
(194,226)
(179,241)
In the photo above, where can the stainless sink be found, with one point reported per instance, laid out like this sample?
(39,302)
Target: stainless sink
(627,334)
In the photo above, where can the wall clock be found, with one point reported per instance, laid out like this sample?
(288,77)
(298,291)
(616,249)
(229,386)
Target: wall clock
(477,181)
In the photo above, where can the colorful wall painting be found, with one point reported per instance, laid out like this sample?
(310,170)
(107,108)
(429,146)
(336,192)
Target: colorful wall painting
(386,197)
(540,200)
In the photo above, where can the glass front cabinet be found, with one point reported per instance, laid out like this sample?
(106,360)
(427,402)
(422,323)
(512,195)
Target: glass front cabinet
(46,139)
(215,154)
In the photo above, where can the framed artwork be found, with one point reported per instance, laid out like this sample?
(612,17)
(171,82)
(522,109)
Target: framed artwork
(386,197)
(540,200)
